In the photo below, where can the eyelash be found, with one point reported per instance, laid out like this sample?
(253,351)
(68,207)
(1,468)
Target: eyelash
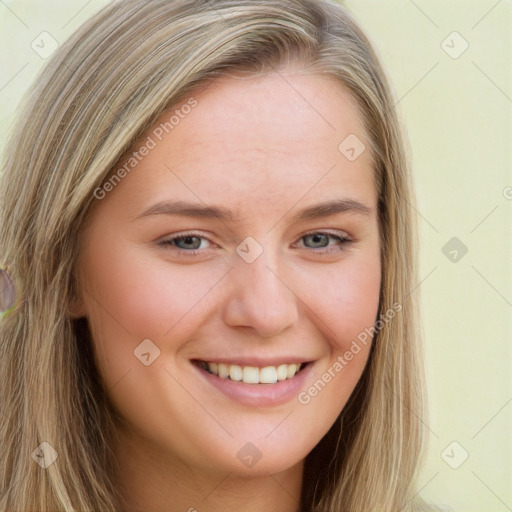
(169,243)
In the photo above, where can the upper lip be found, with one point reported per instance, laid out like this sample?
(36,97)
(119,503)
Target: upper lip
(254,361)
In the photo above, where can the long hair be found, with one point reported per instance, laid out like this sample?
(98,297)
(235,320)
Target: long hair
(98,94)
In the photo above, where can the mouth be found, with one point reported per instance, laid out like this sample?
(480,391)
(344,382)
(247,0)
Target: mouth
(255,383)
(252,374)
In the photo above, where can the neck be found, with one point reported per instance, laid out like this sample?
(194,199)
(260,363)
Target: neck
(148,481)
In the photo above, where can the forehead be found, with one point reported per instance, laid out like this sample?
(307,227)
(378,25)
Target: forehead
(275,108)
(273,138)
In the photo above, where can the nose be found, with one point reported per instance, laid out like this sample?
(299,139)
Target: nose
(259,298)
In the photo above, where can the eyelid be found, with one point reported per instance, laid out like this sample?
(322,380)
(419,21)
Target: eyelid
(332,232)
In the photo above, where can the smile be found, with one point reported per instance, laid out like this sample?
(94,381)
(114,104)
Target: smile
(252,374)
(253,382)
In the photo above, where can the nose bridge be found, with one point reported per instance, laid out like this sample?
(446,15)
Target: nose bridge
(258,296)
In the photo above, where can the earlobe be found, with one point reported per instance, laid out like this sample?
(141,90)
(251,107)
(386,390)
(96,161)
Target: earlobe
(76,304)
(76,309)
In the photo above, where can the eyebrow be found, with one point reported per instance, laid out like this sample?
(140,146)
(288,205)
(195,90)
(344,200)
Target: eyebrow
(190,209)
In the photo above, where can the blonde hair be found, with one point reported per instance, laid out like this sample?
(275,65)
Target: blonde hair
(99,93)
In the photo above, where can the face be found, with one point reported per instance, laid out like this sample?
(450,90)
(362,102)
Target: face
(243,245)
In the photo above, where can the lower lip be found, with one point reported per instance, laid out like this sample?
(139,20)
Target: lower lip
(258,395)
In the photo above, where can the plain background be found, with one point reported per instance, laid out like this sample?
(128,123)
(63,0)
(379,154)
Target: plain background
(456,103)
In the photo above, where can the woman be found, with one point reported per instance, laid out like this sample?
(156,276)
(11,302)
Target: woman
(207,216)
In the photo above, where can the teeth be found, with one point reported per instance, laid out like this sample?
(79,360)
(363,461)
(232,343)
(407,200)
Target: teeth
(253,374)
(268,375)
(292,370)
(235,372)
(282,372)
(223,370)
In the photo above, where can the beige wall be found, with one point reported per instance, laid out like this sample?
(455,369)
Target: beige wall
(458,110)
(459,117)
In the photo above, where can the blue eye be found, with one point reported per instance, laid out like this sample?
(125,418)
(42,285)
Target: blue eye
(320,240)
(186,243)
(190,244)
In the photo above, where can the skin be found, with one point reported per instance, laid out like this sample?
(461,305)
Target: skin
(265,147)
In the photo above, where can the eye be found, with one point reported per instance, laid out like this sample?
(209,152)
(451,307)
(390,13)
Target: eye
(186,243)
(320,240)
(191,244)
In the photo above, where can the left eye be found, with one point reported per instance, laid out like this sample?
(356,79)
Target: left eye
(322,240)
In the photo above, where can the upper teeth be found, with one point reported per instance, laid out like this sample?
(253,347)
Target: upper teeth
(253,374)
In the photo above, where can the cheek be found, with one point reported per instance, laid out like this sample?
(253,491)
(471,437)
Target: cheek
(344,298)
(346,307)
(140,298)
(356,301)
(147,297)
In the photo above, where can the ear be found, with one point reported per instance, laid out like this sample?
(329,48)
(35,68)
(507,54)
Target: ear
(77,309)
(76,304)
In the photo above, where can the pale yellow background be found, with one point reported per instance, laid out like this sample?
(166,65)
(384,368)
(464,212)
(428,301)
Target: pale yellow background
(458,113)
